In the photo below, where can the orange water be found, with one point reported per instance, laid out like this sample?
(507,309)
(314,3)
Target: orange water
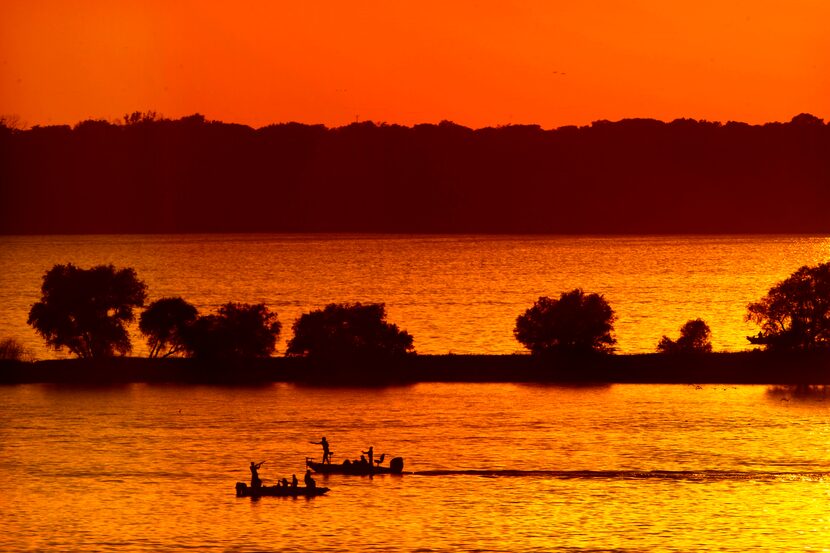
(507,468)
(457,294)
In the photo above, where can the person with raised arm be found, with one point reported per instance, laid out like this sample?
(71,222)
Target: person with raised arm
(255,480)
(326,452)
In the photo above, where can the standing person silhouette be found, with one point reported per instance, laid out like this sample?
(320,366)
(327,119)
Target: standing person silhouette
(255,481)
(326,452)
(371,455)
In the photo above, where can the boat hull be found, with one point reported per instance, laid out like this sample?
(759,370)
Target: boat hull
(356,469)
(243,490)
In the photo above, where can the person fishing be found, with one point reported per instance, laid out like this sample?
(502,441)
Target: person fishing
(309,481)
(326,452)
(371,455)
(294,481)
(255,480)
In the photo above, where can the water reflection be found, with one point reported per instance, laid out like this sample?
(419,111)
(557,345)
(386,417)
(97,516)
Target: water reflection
(566,386)
(800,392)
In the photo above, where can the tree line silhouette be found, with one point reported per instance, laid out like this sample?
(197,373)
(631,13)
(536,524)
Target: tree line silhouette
(148,174)
(86,311)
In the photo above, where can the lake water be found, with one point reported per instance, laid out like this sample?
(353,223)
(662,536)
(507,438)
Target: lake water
(498,468)
(457,294)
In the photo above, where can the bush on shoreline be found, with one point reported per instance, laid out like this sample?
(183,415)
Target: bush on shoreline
(695,337)
(237,331)
(349,332)
(575,324)
(12,350)
(795,313)
(87,310)
(164,323)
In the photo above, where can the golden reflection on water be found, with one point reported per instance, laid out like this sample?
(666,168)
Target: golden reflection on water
(452,293)
(505,468)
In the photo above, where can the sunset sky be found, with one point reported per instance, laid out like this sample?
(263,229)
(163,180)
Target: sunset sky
(478,63)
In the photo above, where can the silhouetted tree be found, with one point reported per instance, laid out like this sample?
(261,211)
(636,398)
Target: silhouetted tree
(165,323)
(138,117)
(85,310)
(11,122)
(576,323)
(807,119)
(795,313)
(349,331)
(237,331)
(694,338)
(12,350)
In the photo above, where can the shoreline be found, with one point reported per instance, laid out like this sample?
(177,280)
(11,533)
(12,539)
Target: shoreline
(746,367)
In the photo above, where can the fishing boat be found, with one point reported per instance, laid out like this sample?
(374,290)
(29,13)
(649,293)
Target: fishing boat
(243,490)
(356,467)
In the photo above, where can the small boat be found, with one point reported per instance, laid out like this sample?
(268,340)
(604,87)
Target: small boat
(356,468)
(243,490)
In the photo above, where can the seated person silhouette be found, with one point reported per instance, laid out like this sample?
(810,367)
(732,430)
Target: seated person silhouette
(309,481)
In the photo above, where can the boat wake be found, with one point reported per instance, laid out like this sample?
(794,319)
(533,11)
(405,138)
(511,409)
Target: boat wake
(687,475)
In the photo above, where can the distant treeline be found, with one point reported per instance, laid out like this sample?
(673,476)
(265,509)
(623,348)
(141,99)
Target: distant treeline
(154,175)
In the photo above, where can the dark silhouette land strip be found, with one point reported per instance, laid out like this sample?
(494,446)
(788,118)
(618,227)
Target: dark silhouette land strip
(750,367)
(639,176)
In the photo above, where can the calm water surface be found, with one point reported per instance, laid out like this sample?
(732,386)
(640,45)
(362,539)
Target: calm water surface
(456,293)
(502,468)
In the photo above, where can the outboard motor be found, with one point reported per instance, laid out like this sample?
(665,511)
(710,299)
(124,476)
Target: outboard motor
(240,489)
(396,465)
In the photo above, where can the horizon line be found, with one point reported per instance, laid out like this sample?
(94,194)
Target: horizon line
(13,122)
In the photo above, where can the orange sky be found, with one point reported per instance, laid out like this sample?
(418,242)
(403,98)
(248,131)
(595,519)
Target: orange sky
(477,63)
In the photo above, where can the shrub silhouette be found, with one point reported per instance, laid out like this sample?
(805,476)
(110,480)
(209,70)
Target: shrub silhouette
(576,323)
(795,313)
(237,331)
(12,350)
(165,323)
(349,331)
(694,338)
(86,310)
